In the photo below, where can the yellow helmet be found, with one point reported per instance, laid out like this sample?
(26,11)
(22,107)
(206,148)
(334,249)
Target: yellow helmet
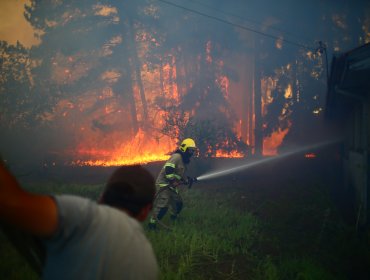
(187,143)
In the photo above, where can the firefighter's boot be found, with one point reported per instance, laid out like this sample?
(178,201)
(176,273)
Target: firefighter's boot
(152,224)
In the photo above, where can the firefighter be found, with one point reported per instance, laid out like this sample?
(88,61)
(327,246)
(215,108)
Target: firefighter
(170,177)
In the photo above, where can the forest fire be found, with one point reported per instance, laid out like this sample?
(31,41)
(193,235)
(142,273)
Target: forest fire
(118,159)
(131,96)
(138,151)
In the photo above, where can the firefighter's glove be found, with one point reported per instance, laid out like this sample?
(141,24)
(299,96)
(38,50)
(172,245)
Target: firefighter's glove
(191,181)
(176,183)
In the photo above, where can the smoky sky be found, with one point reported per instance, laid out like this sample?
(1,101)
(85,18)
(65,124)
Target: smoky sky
(299,21)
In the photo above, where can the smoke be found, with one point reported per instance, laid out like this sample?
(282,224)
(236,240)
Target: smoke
(34,146)
(208,57)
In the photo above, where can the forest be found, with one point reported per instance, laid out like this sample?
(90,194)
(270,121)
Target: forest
(114,82)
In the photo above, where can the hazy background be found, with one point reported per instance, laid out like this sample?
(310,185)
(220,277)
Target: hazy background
(126,80)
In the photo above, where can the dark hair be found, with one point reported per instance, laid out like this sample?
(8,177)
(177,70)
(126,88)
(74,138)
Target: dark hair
(129,187)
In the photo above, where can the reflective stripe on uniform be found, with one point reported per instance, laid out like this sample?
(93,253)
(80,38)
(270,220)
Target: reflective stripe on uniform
(170,164)
(173,176)
(176,190)
(170,176)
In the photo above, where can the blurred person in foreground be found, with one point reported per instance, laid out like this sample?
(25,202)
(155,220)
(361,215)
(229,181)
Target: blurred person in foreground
(77,238)
(171,176)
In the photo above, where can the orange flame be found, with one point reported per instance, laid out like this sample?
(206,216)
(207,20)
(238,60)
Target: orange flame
(224,154)
(107,149)
(271,143)
(138,151)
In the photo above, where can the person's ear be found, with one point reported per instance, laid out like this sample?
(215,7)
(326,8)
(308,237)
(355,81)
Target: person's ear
(144,212)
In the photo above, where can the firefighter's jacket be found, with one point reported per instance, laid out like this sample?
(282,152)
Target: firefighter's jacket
(179,168)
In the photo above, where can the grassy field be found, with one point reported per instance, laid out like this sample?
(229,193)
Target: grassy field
(217,239)
(238,232)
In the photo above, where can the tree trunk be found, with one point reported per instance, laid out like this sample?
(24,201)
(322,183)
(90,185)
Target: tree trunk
(126,83)
(161,79)
(180,70)
(258,137)
(137,68)
(186,74)
(170,77)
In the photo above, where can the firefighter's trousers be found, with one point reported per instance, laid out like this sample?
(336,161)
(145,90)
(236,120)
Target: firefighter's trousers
(166,198)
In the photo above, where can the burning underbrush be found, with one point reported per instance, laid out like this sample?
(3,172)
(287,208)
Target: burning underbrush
(143,151)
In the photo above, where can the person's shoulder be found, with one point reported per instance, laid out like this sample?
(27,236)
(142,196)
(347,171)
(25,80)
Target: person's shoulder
(71,203)
(176,156)
(69,198)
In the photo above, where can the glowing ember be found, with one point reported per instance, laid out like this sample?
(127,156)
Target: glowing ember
(310,155)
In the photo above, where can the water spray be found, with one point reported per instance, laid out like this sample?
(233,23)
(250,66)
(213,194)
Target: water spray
(223,172)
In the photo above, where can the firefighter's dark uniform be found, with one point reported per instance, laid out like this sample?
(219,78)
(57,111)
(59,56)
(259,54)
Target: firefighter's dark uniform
(171,175)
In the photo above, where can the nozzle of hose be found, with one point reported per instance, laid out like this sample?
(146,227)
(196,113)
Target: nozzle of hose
(191,181)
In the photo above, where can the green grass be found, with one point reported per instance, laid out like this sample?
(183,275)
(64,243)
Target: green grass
(215,239)
(209,233)
(12,266)
(90,191)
